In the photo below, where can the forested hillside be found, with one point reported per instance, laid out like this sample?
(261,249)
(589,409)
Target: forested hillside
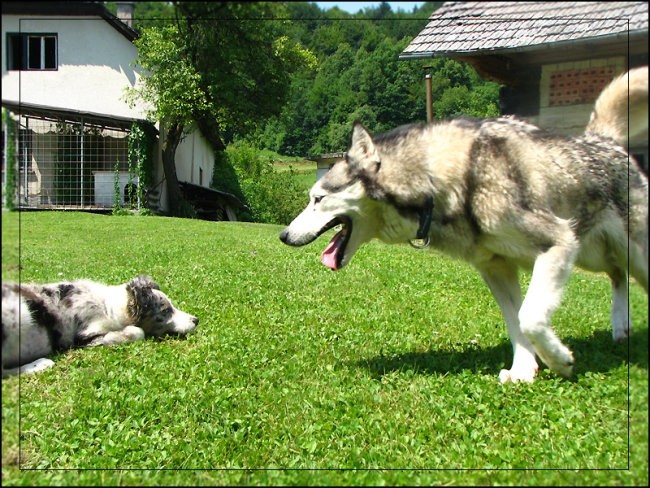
(355,74)
(271,81)
(359,76)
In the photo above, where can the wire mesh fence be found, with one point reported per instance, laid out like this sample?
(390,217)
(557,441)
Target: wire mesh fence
(65,163)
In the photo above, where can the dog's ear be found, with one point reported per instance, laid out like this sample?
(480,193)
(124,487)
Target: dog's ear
(141,298)
(362,154)
(144,281)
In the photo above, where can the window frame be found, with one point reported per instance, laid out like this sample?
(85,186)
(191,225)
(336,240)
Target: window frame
(22,45)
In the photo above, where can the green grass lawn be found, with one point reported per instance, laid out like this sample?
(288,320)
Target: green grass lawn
(382,373)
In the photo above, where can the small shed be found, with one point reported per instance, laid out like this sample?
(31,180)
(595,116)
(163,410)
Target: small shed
(325,161)
(211,204)
(69,159)
(552,58)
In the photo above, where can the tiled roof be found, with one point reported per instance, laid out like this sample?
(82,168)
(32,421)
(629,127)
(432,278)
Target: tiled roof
(472,27)
(73,9)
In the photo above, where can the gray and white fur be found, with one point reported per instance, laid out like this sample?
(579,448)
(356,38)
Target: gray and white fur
(506,194)
(39,320)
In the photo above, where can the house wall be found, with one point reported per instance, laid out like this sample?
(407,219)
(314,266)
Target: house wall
(199,158)
(94,67)
(194,157)
(572,118)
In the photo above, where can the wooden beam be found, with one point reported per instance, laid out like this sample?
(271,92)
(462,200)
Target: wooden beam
(494,68)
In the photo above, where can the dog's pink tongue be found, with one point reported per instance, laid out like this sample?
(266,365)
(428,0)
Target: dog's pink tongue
(328,258)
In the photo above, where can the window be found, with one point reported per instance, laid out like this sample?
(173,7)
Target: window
(31,52)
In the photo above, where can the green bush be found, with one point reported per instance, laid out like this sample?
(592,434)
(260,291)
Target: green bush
(272,197)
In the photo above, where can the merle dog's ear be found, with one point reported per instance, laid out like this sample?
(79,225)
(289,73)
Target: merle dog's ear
(141,298)
(144,281)
(362,154)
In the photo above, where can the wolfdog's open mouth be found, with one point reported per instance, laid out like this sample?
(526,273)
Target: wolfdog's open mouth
(332,256)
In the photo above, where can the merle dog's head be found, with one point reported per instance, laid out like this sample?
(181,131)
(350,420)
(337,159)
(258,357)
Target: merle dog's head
(153,312)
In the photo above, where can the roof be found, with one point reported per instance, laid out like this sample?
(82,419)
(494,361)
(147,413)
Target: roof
(69,9)
(208,198)
(36,110)
(471,28)
(326,158)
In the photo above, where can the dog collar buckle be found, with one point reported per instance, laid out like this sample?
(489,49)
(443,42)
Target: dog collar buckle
(423,243)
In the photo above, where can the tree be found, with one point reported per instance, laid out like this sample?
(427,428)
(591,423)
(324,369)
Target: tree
(360,73)
(221,66)
(172,90)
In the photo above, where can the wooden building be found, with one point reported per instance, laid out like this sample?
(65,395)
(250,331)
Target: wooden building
(552,58)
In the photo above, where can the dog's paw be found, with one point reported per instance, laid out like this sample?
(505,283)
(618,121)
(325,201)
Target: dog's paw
(553,353)
(514,376)
(620,334)
(36,366)
(561,363)
(524,367)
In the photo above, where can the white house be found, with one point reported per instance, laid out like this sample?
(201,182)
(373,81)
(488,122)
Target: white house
(65,69)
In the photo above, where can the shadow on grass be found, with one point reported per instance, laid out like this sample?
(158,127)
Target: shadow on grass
(596,353)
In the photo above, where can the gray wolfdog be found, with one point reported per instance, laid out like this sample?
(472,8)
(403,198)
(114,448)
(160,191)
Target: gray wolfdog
(38,320)
(501,193)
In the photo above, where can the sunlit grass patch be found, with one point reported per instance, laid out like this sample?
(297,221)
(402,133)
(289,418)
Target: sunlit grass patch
(390,363)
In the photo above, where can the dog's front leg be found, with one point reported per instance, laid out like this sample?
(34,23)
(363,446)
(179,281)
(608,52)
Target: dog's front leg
(130,333)
(501,277)
(550,272)
(29,368)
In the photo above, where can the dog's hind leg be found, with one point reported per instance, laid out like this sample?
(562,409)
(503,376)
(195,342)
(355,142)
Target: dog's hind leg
(638,267)
(501,277)
(551,270)
(620,315)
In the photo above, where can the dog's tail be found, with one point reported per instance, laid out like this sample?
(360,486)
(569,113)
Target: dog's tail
(621,110)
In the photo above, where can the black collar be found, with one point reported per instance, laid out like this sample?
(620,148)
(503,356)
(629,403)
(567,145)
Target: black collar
(426,214)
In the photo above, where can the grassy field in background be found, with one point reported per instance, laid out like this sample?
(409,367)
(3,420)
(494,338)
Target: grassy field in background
(382,373)
(305,171)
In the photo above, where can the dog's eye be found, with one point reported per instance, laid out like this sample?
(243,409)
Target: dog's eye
(163,315)
(318,198)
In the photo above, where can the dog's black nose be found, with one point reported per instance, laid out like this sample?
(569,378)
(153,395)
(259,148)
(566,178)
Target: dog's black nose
(195,320)
(284,236)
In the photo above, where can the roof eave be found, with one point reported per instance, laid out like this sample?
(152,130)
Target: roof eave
(72,9)
(33,109)
(630,36)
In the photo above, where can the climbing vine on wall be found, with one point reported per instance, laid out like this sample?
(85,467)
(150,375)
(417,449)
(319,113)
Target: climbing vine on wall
(10,155)
(141,142)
